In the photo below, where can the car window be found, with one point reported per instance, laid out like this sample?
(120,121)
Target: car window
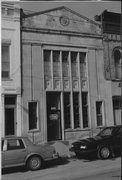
(14,144)
(106,132)
(119,132)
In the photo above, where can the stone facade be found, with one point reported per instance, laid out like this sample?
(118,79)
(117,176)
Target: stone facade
(63,76)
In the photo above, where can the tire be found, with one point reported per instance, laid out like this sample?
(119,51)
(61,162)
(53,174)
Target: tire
(104,152)
(34,163)
(78,155)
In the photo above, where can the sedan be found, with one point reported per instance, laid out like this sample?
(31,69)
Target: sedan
(105,144)
(20,151)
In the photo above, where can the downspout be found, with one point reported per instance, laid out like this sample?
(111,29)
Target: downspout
(21,64)
(21,69)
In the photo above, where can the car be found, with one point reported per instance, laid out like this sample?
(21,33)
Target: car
(20,151)
(104,145)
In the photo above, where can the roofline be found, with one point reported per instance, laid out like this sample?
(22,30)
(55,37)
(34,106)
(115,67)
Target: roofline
(58,8)
(99,17)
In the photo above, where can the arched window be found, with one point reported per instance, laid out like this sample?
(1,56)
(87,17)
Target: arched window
(117,62)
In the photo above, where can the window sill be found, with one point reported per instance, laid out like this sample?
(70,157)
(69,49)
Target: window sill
(77,129)
(7,79)
(33,131)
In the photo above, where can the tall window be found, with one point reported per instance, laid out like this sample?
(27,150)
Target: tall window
(56,64)
(67,115)
(74,64)
(76,110)
(85,109)
(33,115)
(5,61)
(65,64)
(47,63)
(99,113)
(118,63)
(82,58)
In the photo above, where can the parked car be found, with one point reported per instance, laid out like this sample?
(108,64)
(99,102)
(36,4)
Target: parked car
(105,144)
(19,151)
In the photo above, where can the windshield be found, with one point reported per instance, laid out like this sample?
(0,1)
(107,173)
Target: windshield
(106,132)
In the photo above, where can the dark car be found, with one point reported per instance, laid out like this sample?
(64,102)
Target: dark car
(105,144)
(20,151)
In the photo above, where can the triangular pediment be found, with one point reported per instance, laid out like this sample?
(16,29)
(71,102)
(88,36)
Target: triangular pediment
(61,19)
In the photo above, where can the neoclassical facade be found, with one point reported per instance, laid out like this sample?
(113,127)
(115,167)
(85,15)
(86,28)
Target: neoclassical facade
(11,73)
(65,92)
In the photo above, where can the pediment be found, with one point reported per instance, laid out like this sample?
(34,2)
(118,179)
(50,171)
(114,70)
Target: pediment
(61,19)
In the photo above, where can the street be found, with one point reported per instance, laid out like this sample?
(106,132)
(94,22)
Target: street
(70,169)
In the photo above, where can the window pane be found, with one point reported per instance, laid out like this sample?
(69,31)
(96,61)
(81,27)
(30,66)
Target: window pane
(67,115)
(32,115)
(56,64)
(82,57)
(47,63)
(85,109)
(5,61)
(117,60)
(99,113)
(74,64)
(65,64)
(10,100)
(76,110)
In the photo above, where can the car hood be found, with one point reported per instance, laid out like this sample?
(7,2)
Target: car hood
(92,140)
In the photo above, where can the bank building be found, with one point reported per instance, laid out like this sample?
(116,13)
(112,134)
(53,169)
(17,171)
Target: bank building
(64,91)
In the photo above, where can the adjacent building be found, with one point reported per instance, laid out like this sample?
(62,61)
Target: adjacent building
(113,59)
(10,66)
(65,92)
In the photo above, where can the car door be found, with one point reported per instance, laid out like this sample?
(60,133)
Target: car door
(117,139)
(16,152)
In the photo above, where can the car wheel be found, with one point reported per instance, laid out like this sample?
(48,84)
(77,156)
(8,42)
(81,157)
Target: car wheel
(34,163)
(104,152)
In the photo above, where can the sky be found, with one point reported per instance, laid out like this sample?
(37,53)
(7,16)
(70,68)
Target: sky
(85,8)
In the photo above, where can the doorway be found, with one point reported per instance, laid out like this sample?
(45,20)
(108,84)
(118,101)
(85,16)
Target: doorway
(53,116)
(9,121)
(10,107)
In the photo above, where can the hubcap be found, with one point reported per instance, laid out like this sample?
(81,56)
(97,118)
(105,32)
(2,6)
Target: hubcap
(35,163)
(105,152)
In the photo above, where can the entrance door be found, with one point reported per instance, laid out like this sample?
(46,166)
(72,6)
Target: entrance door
(10,108)
(53,116)
(9,121)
